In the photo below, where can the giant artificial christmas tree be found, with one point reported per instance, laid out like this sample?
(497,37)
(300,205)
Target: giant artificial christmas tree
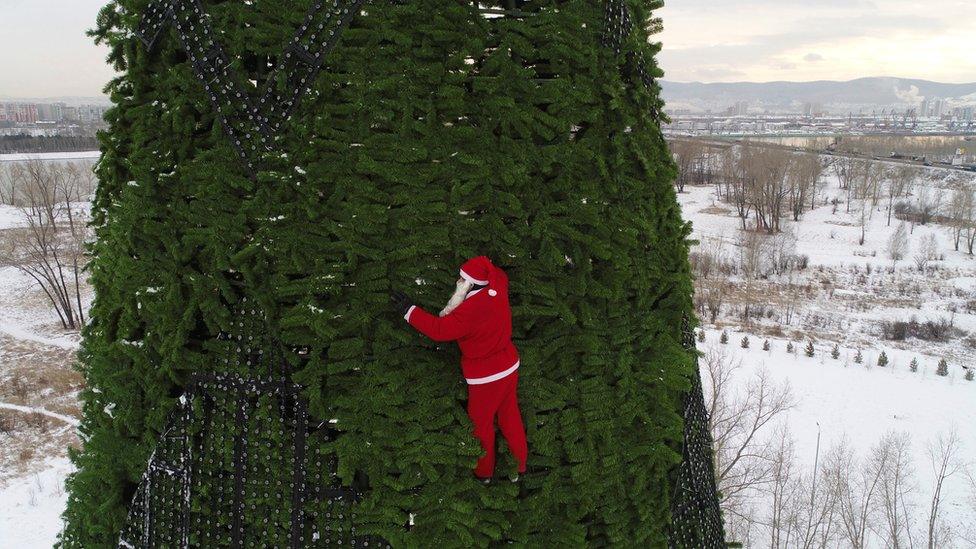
(274,168)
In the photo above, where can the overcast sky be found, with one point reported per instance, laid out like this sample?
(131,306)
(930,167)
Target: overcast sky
(763,40)
(46,53)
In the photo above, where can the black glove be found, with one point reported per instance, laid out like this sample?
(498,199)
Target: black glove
(400,302)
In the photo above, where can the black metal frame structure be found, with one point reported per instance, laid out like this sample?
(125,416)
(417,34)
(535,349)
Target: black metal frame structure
(252,125)
(242,464)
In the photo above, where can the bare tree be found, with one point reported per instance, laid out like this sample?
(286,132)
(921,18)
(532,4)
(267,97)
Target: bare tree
(767,174)
(738,421)
(794,294)
(960,211)
(892,456)
(928,251)
(845,168)
(7,177)
(709,256)
(50,249)
(804,181)
(969,535)
(784,494)
(859,483)
(689,155)
(929,203)
(710,296)
(898,244)
(967,220)
(735,181)
(900,183)
(781,251)
(944,458)
(864,216)
(823,509)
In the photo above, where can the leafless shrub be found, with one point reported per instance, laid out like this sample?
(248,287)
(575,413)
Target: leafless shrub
(37,421)
(898,244)
(928,203)
(928,251)
(18,387)
(710,297)
(8,422)
(930,330)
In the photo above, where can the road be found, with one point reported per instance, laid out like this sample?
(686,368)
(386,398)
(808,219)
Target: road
(726,143)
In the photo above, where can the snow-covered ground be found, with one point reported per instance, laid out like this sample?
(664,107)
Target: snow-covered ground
(855,404)
(30,507)
(846,295)
(39,410)
(848,289)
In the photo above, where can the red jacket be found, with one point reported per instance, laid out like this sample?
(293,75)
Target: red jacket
(482,326)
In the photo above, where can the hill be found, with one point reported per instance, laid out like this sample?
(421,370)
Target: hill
(862,93)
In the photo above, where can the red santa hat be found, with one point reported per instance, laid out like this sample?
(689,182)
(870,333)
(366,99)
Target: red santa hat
(481,271)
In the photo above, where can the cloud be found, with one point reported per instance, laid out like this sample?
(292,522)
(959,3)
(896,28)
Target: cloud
(814,39)
(911,95)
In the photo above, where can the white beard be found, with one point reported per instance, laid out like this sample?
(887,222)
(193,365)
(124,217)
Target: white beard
(460,292)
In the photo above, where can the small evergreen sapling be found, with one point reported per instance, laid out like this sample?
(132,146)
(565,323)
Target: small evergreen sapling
(883,359)
(914,365)
(858,358)
(724,338)
(970,374)
(766,345)
(943,369)
(809,350)
(701,336)
(789,347)
(835,353)
(745,342)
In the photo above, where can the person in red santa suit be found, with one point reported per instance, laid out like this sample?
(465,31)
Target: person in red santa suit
(479,317)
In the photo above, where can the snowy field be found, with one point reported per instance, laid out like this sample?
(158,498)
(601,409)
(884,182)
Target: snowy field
(855,404)
(849,291)
(39,410)
(31,506)
(845,297)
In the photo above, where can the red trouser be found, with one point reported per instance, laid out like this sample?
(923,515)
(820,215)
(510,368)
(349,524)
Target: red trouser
(486,401)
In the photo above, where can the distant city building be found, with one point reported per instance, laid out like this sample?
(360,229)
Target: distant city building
(50,112)
(84,113)
(741,108)
(964,113)
(813,109)
(21,113)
